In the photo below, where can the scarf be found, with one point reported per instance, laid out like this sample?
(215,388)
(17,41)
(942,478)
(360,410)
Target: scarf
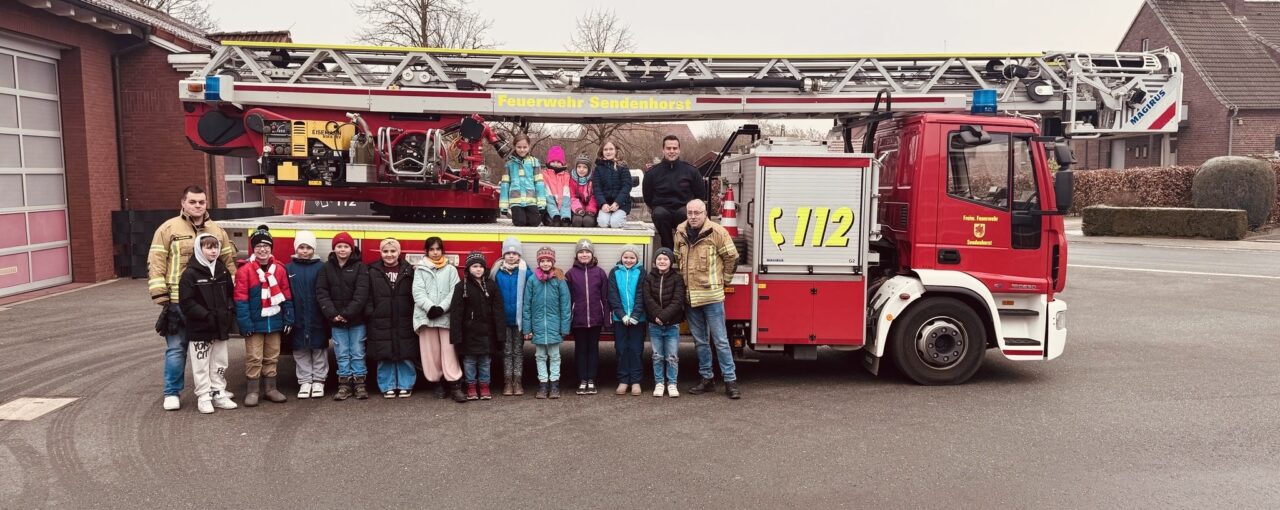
(437,263)
(272,296)
(541,275)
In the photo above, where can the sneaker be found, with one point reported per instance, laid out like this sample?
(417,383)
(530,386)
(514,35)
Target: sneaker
(657,390)
(405,393)
(304,390)
(171,403)
(221,402)
(317,390)
(672,390)
(635,390)
(472,392)
(484,392)
(205,406)
(582,388)
(591,387)
(622,389)
(555,389)
(389,394)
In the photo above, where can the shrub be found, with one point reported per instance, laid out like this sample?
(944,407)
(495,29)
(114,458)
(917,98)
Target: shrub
(1236,182)
(1101,220)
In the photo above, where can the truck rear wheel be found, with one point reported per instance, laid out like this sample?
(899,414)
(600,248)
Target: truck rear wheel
(938,341)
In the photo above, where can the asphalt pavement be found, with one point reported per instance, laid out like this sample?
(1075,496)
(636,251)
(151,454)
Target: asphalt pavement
(1168,395)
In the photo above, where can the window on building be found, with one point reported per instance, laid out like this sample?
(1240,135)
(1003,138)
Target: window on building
(240,193)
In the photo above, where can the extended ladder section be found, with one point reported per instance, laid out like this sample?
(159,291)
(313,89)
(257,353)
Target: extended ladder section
(1090,93)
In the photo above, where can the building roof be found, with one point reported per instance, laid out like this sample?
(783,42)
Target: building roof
(1231,58)
(101,13)
(280,36)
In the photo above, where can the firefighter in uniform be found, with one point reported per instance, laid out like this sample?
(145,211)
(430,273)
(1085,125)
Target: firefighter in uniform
(171,248)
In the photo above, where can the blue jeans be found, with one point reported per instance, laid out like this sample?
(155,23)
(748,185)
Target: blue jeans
(666,352)
(628,342)
(175,362)
(547,357)
(348,347)
(396,375)
(473,363)
(709,319)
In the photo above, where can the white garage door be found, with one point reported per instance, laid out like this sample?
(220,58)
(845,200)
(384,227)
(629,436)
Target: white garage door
(35,249)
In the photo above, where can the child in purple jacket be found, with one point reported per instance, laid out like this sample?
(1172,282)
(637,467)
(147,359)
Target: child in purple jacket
(589,293)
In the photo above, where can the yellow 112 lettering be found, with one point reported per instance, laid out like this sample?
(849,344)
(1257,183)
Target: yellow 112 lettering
(820,218)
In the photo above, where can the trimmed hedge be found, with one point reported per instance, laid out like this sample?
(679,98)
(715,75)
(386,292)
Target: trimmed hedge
(1101,220)
(1146,187)
(1236,182)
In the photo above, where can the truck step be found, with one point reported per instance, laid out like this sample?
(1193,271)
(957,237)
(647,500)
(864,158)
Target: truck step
(1017,312)
(1021,342)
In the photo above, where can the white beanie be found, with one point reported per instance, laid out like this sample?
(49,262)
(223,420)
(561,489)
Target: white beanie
(304,237)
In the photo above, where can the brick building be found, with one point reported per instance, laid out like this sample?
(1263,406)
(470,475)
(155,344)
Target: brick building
(1230,53)
(90,124)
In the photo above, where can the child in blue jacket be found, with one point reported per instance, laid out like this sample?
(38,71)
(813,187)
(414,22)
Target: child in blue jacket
(626,298)
(264,311)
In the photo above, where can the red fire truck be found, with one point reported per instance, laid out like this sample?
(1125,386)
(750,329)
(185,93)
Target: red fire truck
(926,230)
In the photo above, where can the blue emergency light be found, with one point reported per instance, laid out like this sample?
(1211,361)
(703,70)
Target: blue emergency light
(984,102)
(213,88)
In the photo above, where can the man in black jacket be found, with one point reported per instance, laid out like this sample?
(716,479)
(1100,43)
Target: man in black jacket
(668,186)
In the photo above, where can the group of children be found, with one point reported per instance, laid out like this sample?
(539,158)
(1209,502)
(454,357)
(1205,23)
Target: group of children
(592,194)
(400,314)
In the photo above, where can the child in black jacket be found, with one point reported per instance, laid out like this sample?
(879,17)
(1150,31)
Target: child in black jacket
(205,296)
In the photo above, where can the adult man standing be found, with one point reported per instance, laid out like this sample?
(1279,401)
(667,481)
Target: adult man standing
(707,260)
(171,249)
(668,186)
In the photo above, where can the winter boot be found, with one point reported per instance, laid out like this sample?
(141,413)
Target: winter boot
(251,392)
(472,394)
(703,386)
(555,390)
(484,391)
(456,392)
(271,392)
(344,389)
(542,390)
(507,389)
(362,390)
(731,389)
(439,390)
(518,385)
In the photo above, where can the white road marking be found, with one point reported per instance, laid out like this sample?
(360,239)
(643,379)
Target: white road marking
(1169,271)
(27,409)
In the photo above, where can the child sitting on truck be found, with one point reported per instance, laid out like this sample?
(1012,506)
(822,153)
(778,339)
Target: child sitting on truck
(556,179)
(523,194)
(584,199)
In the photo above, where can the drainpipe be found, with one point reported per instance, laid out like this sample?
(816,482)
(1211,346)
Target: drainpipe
(1231,126)
(115,82)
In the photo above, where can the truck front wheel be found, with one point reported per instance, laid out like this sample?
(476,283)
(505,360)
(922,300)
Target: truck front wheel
(938,341)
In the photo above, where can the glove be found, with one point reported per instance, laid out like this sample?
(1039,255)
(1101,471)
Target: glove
(287,330)
(628,321)
(176,321)
(434,312)
(162,322)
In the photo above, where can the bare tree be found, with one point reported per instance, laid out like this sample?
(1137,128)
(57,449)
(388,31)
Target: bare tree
(600,31)
(423,23)
(191,12)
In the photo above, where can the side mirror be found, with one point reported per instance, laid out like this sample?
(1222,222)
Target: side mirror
(1064,155)
(974,135)
(1063,187)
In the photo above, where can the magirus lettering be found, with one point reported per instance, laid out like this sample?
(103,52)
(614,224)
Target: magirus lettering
(1151,103)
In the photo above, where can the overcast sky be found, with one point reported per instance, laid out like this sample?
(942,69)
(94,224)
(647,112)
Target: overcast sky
(793,26)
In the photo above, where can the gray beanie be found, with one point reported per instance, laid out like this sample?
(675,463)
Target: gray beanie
(629,248)
(585,244)
(511,244)
(666,251)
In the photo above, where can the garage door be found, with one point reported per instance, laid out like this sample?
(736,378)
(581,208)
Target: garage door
(35,250)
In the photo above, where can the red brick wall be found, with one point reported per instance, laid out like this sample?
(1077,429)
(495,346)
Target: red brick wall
(1255,132)
(88,132)
(158,160)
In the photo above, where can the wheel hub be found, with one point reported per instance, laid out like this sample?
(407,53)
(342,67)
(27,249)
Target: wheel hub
(941,342)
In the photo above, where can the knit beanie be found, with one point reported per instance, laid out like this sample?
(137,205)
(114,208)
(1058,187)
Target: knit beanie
(511,244)
(585,244)
(583,159)
(261,235)
(555,154)
(629,248)
(304,237)
(344,237)
(546,253)
(390,241)
(671,255)
(474,258)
